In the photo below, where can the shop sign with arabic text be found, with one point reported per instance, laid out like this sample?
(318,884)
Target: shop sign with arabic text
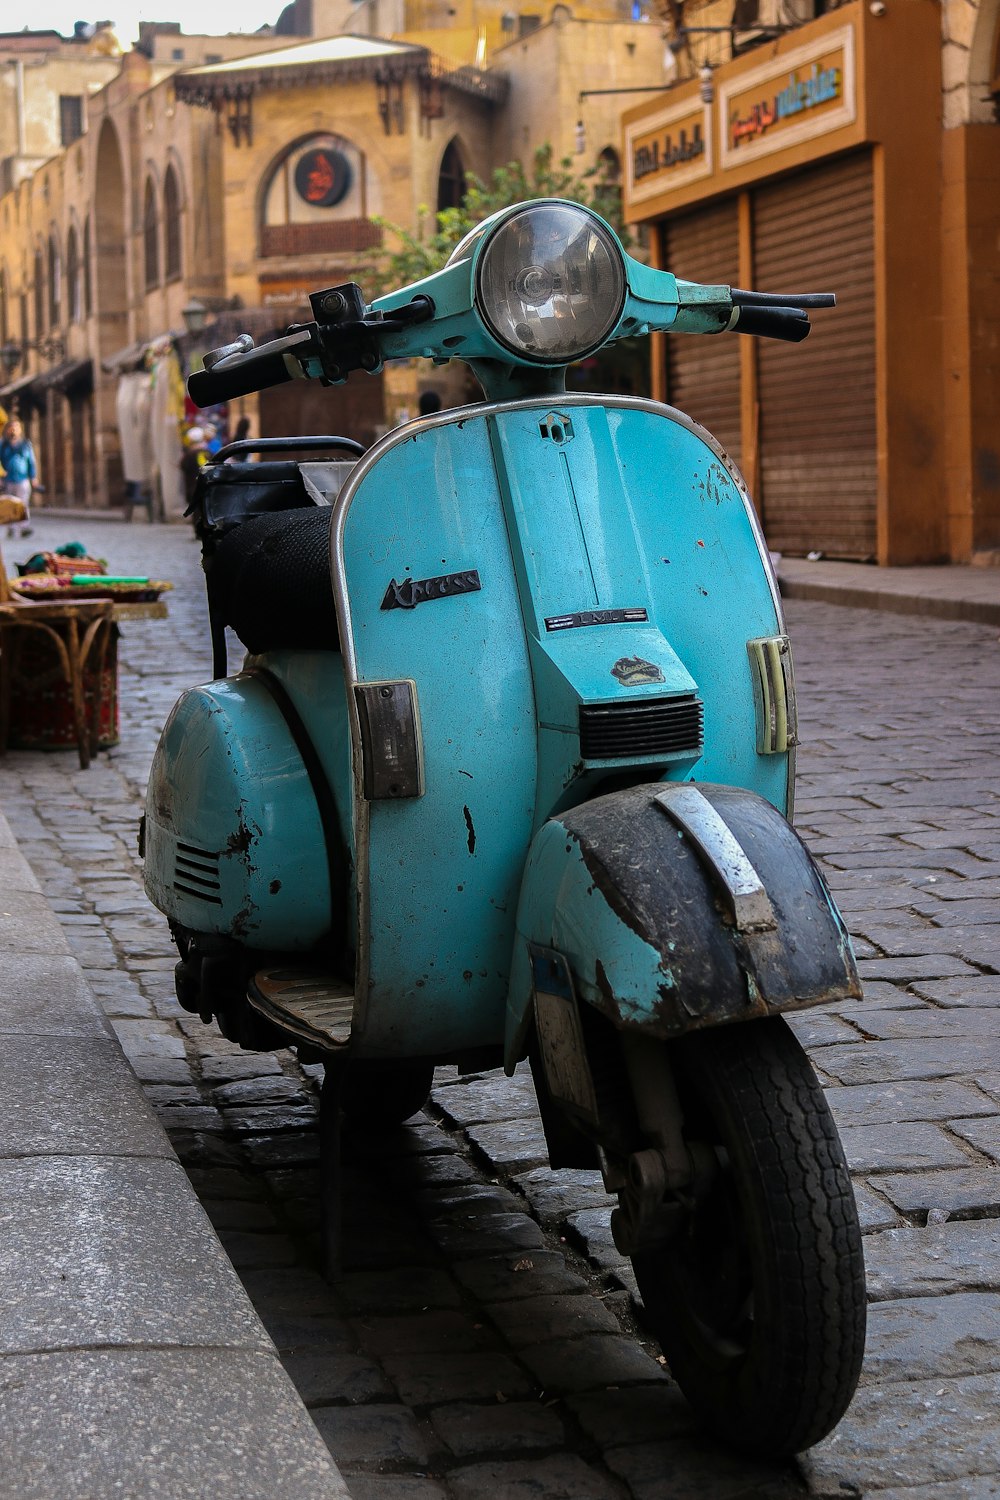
(805,93)
(668,149)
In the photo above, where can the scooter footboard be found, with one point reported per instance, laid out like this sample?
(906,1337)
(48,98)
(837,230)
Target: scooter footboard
(674,906)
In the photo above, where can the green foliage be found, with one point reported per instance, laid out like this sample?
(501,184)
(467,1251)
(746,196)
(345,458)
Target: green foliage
(418,255)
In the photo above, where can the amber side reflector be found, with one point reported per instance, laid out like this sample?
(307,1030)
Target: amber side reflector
(774,693)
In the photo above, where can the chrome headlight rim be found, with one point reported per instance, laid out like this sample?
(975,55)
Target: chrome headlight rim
(481,256)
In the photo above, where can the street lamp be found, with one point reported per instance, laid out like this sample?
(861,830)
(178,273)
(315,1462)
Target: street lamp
(12,353)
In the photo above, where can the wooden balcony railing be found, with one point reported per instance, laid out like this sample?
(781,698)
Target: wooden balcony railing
(312,239)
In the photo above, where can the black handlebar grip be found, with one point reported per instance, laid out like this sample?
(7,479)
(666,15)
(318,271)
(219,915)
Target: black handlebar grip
(787,323)
(239,376)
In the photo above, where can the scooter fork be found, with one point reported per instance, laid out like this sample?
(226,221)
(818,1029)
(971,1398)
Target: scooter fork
(660,1179)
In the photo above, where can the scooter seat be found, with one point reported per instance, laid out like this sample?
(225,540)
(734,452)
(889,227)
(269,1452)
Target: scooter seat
(269,581)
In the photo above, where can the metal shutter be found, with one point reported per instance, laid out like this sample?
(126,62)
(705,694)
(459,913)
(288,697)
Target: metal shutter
(703,373)
(818,474)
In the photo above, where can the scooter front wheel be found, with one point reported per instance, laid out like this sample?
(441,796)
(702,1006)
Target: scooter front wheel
(758,1299)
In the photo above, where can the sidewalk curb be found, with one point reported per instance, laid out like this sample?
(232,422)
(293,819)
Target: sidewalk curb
(131,1359)
(976,611)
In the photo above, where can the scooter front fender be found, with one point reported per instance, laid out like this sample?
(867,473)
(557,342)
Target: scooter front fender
(674,906)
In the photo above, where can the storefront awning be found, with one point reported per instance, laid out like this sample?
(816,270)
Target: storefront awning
(21,390)
(122,360)
(74,377)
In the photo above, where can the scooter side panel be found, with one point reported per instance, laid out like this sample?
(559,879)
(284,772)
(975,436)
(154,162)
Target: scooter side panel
(226,786)
(443,870)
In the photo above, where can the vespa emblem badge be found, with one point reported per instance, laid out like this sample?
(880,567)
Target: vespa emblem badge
(634,671)
(414,591)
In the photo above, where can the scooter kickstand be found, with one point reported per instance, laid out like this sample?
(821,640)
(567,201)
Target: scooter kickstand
(331,1170)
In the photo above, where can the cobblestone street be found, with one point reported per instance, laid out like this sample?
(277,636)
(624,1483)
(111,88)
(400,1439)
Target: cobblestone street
(483,1340)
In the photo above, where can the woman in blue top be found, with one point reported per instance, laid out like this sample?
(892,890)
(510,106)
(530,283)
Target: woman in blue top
(17,459)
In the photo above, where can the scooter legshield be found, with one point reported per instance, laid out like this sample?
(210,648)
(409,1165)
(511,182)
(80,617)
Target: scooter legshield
(674,907)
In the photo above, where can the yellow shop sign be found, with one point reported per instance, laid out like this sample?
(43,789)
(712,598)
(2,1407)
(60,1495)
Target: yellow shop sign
(809,93)
(667,149)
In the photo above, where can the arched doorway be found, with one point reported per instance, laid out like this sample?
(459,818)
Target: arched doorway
(110,287)
(451,178)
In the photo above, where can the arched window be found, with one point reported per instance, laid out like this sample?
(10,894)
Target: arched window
(39,293)
(74,302)
(316,196)
(451,178)
(88,294)
(150,237)
(4,312)
(171,226)
(55,283)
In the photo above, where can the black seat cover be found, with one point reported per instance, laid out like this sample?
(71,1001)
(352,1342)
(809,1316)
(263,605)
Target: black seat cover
(269,581)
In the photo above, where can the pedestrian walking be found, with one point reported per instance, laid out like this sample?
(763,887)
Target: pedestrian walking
(17,459)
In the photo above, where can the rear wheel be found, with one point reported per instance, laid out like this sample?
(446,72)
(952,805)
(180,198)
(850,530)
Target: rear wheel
(758,1300)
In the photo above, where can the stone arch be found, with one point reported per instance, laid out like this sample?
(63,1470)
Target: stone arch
(108,245)
(39,299)
(173,244)
(150,234)
(74,269)
(55,278)
(451,176)
(281,205)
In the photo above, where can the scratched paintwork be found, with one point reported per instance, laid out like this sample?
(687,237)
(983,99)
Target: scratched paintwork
(617,888)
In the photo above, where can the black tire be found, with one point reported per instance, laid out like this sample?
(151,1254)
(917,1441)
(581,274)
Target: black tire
(759,1301)
(381,1095)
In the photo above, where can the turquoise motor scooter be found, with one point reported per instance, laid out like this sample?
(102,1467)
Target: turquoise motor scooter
(507,772)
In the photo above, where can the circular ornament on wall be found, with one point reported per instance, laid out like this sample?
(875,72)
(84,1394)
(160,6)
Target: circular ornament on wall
(322,177)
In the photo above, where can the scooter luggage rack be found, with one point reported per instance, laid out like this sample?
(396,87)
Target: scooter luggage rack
(316,1007)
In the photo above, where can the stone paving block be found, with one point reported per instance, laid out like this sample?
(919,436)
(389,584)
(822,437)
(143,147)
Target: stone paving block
(87,1262)
(590,1362)
(237,1213)
(893,1103)
(965,1193)
(532,1320)
(888,1062)
(924,1430)
(431,1171)
(377,1434)
(820,1031)
(592,1229)
(435,1331)
(937,1259)
(638,1414)
(512,1147)
(873,1211)
(297,1292)
(552,1196)
(178,1117)
(430,1379)
(984,1134)
(308,1333)
(492,1097)
(499,1277)
(271,1119)
(266,1088)
(690,1470)
(282,1150)
(400,1289)
(494,1234)
(79,1099)
(467,1201)
(913,1144)
(927,966)
(933,1021)
(323,1377)
(44,994)
(257,1250)
(983,990)
(470,1429)
(225,1067)
(28,925)
(925,1337)
(561,1477)
(86,1423)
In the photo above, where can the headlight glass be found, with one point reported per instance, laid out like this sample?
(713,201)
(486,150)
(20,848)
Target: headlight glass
(551,283)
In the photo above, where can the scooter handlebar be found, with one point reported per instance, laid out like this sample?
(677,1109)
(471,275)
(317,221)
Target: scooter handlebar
(255,370)
(790,324)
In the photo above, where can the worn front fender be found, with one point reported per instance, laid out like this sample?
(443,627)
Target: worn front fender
(675,906)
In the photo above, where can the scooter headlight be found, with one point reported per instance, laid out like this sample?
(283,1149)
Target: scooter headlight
(550,283)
